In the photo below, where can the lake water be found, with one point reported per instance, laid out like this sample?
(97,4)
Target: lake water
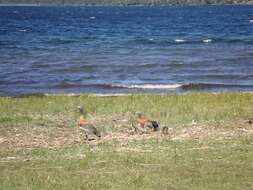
(125,49)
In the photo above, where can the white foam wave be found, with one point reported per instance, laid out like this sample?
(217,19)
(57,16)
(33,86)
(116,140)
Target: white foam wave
(92,17)
(151,86)
(179,40)
(251,20)
(207,40)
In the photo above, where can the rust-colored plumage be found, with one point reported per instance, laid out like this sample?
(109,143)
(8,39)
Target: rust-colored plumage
(144,122)
(82,121)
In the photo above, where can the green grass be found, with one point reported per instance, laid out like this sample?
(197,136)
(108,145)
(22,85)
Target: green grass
(156,163)
(137,165)
(171,109)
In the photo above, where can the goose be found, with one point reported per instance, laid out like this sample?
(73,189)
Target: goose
(144,122)
(86,127)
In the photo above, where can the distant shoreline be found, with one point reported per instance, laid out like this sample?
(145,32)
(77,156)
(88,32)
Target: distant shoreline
(123,5)
(41,95)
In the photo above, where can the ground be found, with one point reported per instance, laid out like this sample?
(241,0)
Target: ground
(209,145)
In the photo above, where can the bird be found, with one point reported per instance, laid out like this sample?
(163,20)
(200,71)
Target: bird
(144,122)
(165,130)
(86,127)
(249,121)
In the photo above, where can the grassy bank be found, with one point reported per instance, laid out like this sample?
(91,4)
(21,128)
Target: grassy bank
(210,146)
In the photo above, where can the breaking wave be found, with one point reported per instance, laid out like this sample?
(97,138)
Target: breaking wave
(186,87)
(151,86)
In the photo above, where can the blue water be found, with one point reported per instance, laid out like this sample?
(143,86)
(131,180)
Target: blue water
(125,49)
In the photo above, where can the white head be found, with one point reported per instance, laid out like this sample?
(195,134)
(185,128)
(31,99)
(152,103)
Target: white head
(80,108)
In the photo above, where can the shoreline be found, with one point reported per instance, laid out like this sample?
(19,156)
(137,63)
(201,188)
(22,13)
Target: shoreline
(153,90)
(37,95)
(126,5)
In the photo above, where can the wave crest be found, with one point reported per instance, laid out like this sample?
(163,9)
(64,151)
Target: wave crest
(151,86)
